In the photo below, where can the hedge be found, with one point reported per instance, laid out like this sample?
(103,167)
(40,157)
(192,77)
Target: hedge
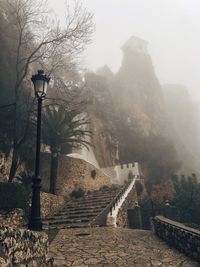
(13,195)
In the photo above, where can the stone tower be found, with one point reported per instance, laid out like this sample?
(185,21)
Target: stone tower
(137,87)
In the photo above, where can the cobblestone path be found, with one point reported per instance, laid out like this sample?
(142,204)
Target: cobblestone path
(110,247)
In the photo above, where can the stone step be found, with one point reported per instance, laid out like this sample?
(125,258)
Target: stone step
(68,221)
(76,216)
(98,196)
(88,203)
(79,212)
(65,226)
(94,199)
(85,207)
(102,191)
(93,195)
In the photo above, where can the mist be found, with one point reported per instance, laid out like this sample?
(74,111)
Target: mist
(100,113)
(169,26)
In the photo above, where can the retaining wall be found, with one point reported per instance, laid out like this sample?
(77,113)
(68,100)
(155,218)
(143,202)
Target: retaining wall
(183,238)
(13,218)
(73,174)
(21,248)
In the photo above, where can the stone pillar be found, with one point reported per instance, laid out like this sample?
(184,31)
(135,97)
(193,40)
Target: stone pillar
(134,217)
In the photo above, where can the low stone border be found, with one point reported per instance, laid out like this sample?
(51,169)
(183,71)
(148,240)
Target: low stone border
(185,239)
(21,248)
(14,218)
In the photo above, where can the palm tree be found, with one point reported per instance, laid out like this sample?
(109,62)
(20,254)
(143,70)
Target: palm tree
(62,127)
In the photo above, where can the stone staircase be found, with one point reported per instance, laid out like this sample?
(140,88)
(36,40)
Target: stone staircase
(82,212)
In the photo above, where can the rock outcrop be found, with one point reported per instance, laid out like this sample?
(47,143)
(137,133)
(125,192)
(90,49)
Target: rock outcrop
(129,115)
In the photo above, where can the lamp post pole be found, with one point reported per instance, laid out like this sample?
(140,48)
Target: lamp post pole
(40,82)
(35,219)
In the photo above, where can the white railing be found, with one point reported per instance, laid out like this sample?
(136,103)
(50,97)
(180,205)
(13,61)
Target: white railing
(112,215)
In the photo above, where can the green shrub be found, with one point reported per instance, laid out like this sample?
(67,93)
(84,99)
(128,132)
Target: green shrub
(187,198)
(104,187)
(77,193)
(13,195)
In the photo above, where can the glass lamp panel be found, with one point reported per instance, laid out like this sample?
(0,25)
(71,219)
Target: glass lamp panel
(45,87)
(38,86)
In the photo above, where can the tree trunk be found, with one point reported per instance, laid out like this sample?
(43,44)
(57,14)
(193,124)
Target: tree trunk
(14,165)
(53,172)
(15,155)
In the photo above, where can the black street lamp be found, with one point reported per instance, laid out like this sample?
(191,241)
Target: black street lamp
(40,82)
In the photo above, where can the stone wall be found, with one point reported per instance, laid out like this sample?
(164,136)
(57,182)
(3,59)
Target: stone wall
(183,238)
(120,173)
(22,248)
(4,167)
(50,204)
(14,218)
(73,174)
(130,201)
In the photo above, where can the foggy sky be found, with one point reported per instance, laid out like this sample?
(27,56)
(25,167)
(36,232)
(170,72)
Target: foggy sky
(171,27)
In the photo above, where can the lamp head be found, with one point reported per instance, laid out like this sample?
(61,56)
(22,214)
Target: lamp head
(40,82)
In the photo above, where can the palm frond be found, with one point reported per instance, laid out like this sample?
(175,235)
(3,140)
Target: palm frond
(62,126)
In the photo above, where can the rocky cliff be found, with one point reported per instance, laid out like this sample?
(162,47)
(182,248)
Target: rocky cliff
(129,116)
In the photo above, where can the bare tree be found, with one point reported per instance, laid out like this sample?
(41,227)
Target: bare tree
(42,40)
